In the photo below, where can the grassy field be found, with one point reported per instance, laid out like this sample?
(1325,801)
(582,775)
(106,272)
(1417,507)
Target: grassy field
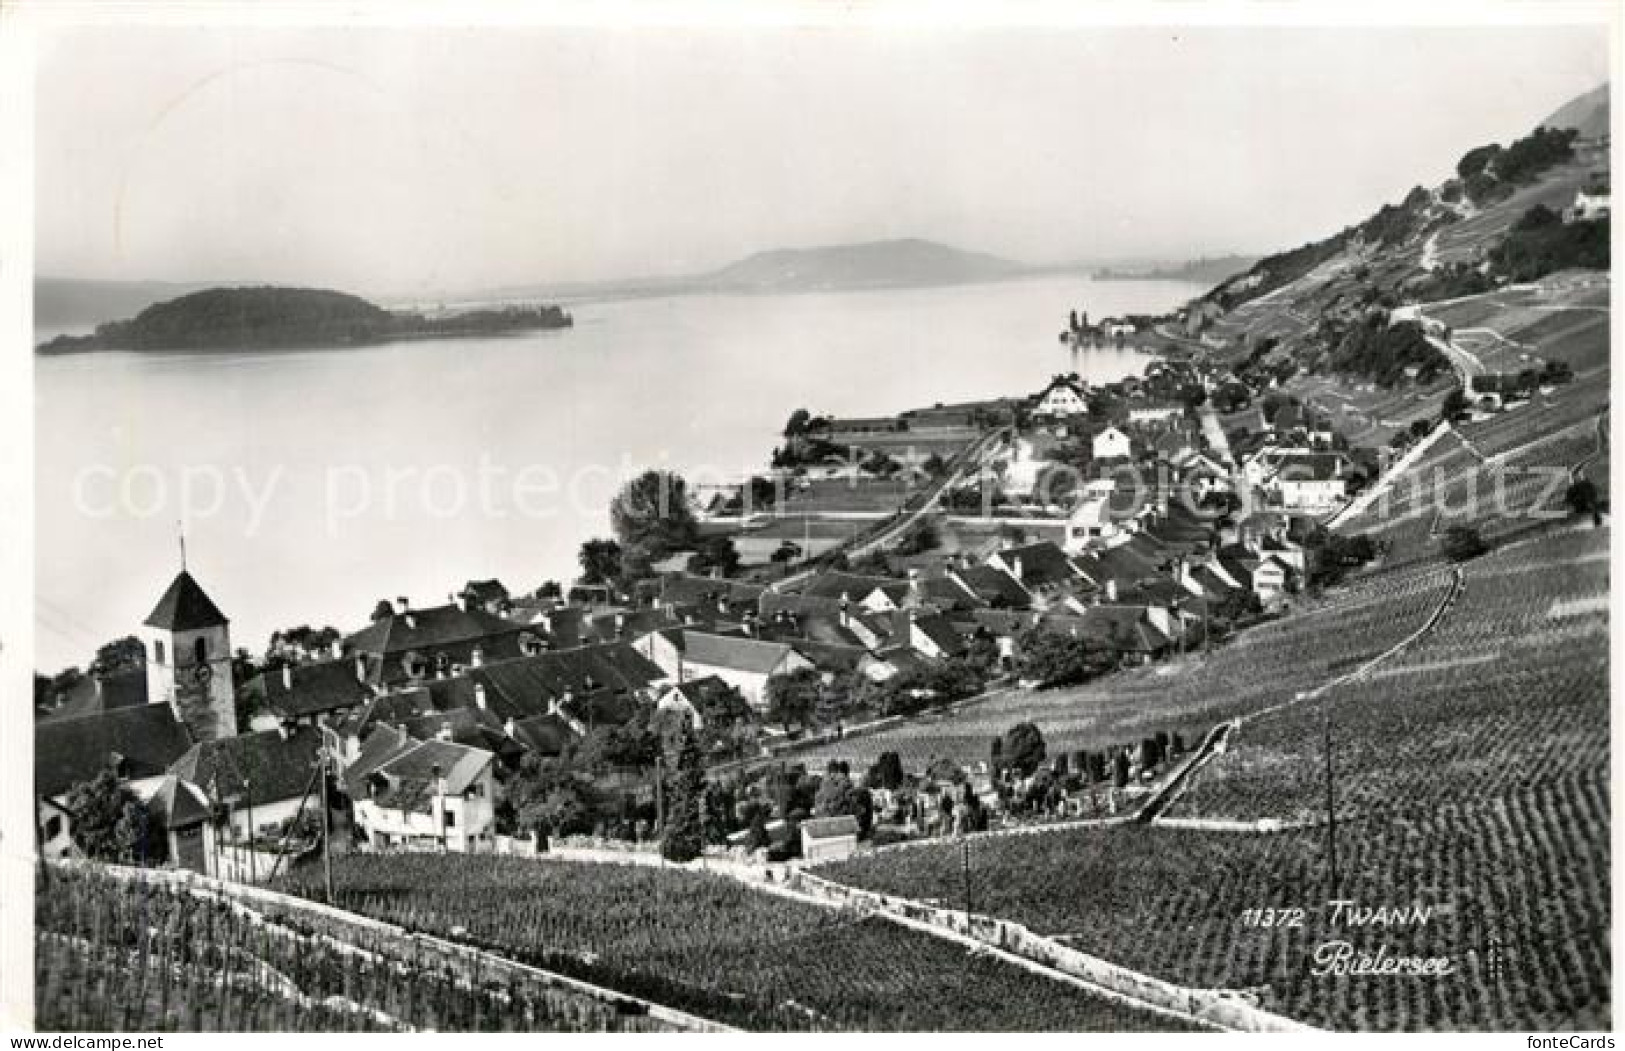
(868,495)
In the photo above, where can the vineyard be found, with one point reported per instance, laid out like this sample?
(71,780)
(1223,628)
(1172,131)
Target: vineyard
(717,948)
(1520,492)
(1527,938)
(1263,667)
(121,956)
(1509,690)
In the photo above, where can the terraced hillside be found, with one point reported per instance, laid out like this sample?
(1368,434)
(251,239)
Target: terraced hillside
(1471,778)
(117,955)
(1509,690)
(1516,888)
(717,948)
(1263,667)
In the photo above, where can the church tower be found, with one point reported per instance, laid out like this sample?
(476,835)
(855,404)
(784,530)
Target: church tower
(188,644)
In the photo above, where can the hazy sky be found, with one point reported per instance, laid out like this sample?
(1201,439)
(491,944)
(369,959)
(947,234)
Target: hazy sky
(423,160)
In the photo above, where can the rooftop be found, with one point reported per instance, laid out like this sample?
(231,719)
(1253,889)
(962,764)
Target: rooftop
(147,739)
(185,607)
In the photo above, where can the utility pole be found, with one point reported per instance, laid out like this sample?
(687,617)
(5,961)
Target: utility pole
(327,832)
(965,866)
(231,829)
(1331,806)
(660,795)
(253,862)
(214,824)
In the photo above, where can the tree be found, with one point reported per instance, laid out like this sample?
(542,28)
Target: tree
(550,589)
(543,796)
(600,561)
(1582,499)
(1023,748)
(652,518)
(887,772)
(111,824)
(922,538)
(1455,404)
(879,463)
(793,697)
(861,805)
(797,424)
(383,610)
(1238,605)
(715,553)
(119,655)
(683,838)
(757,837)
(1120,769)
(1054,659)
(761,493)
(290,645)
(720,800)
(633,744)
(1462,543)
(831,799)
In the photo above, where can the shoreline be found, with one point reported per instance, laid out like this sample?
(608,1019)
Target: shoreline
(555,558)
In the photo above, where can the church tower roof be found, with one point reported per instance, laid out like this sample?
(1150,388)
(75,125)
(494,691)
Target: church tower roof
(185,607)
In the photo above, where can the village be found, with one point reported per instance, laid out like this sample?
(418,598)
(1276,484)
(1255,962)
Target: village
(884,568)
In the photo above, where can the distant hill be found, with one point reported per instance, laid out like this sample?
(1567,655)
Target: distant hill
(1587,114)
(269,317)
(876,264)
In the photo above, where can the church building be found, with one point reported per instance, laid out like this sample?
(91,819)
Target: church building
(188,644)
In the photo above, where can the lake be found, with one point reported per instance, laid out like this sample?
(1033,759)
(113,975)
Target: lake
(314,483)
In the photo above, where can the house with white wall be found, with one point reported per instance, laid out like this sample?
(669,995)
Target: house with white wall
(1063,397)
(260,778)
(1112,444)
(744,663)
(433,795)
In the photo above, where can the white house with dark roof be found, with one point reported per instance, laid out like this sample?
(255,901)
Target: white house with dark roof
(829,838)
(432,795)
(262,778)
(1310,481)
(744,663)
(1063,397)
(875,594)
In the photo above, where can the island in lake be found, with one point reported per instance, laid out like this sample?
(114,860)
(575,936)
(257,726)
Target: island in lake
(269,317)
